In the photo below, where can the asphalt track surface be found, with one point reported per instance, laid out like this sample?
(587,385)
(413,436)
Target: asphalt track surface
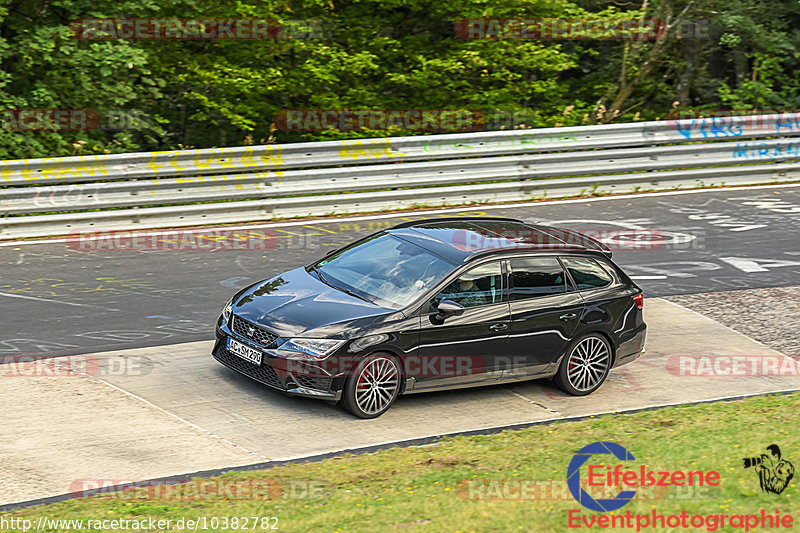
(63,298)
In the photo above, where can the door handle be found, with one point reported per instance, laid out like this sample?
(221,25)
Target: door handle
(498,327)
(568,316)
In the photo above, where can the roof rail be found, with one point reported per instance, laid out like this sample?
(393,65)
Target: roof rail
(446,219)
(553,248)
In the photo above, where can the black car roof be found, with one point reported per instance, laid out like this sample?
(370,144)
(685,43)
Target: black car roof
(461,239)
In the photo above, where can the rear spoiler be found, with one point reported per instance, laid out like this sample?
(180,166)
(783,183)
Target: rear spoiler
(570,236)
(589,242)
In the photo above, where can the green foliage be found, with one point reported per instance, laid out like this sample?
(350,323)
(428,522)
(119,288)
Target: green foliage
(382,54)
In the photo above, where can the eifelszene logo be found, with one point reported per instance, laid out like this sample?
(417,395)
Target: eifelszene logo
(774,472)
(604,478)
(574,477)
(600,477)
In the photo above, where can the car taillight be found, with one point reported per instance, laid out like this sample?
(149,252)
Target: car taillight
(639,300)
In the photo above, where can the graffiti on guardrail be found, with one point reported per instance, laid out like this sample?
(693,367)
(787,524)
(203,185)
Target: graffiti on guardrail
(711,124)
(216,159)
(528,140)
(761,150)
(53,168)
(369,149)
(253,169)
(165,163)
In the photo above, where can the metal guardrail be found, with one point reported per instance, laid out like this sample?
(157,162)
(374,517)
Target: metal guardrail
(163,189)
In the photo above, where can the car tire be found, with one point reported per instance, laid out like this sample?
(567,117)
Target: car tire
(373,387)
(585,366)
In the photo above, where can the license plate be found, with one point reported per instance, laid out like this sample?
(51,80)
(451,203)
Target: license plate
(245,352)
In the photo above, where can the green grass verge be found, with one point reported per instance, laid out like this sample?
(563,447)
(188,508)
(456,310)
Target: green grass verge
(427,488)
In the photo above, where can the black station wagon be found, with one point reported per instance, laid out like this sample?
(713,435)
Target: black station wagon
(437,304)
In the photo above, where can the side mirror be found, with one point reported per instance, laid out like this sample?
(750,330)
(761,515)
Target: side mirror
(448,308)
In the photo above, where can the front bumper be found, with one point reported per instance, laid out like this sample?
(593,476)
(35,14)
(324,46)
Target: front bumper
(309,384)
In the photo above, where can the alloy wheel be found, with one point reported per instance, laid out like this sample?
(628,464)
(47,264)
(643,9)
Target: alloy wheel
(377,385)
(588,363)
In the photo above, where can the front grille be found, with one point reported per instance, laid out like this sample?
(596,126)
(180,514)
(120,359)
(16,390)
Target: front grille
(320,384)
(251,331)
(264,373)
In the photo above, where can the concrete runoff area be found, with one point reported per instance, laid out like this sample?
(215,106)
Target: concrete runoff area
(169,410)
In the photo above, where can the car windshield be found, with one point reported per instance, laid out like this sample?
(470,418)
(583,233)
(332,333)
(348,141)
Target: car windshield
(385,270)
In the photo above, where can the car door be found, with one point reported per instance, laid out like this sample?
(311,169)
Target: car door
(609,307)
(458,349)
(545,310)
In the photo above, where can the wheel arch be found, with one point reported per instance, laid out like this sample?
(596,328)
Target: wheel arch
(611,344)
(393,353)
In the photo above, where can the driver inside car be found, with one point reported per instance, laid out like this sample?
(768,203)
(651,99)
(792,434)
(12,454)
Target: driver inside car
(464,291)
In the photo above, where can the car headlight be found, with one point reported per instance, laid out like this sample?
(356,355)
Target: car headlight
(314,347)
(227,310)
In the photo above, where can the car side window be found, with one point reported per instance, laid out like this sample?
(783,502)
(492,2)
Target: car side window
(481,285)
(536,276)
(587,273)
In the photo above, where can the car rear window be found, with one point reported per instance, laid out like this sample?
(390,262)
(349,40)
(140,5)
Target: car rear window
(587,273)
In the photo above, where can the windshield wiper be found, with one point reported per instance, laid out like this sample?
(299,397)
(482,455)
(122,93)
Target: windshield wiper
(351,293)
(346,291)
(321,277)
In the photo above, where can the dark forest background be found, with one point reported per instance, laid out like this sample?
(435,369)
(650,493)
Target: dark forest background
(383,54)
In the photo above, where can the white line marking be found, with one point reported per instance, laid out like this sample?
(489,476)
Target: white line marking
(55,301)
(648,277)
(537,404)
(402,214)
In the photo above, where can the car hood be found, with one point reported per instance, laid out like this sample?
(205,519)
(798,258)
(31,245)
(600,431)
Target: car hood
(296,302)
